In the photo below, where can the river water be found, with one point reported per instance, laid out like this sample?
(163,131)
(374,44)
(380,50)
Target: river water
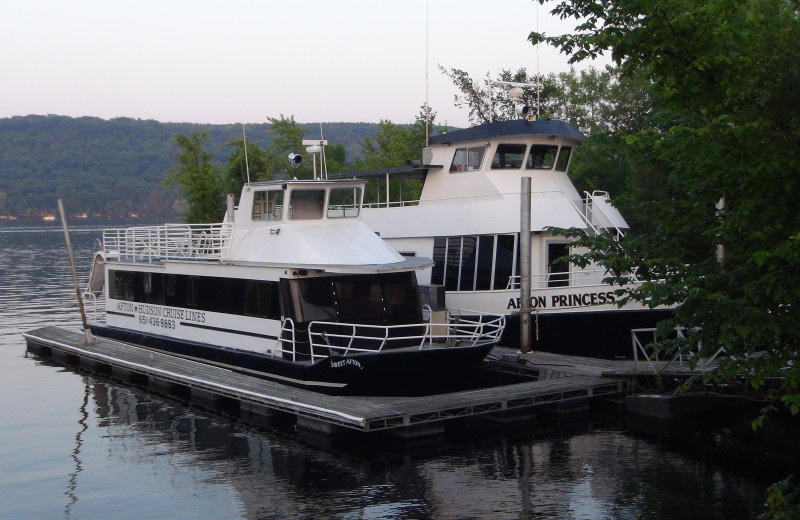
(79,446)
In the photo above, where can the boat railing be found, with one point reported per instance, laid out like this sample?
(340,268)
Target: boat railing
(578,278)
(644,342)
(594,212)
(392,204)
(168,242)
(462,329)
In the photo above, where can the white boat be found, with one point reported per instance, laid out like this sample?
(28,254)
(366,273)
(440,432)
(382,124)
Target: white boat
(467,219)
(291,286)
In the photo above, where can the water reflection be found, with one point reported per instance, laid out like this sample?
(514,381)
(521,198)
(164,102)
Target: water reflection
(84,446)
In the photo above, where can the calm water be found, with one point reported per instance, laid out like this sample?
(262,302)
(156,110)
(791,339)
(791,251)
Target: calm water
(79,446)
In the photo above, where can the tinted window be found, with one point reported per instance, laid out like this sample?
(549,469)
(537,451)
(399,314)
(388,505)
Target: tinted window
(344,202)
(542,157)
(468,159)
(563,158)
(508,156)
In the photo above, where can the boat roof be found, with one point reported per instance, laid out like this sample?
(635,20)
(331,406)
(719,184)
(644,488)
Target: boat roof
(514,127)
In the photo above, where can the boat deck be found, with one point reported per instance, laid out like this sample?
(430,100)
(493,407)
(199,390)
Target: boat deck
(363,413)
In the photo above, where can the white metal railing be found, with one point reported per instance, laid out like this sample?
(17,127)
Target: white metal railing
(393,204)
(578,278)
(591,208)
(651,358)
(168,242)
(463,329)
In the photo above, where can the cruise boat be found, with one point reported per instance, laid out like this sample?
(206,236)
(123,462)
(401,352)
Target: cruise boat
(467,219)
(292,286)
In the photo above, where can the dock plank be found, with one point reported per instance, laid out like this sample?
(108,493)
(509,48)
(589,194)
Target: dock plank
(365,413)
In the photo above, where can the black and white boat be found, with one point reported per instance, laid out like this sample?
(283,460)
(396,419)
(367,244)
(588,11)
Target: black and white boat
(291,286)
(467,218)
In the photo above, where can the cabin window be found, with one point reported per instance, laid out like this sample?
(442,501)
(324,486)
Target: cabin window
(306,204)
(267,205)
(483,272)
(359,299)
(192,291)
(453,265)
(542,157)
(344,202)
(504,265)
(151,288)
(315,297)
(508,156)
(468,159)
(122,286)
(261,299)
(469,249)
(563,158)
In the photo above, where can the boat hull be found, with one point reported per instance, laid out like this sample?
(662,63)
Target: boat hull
(393,372)
(599,334)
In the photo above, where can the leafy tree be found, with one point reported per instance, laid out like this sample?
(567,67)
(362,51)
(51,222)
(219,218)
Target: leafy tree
(287,137)
(491,102)
(253,159)
(395,145)
(198,179)
(722,141)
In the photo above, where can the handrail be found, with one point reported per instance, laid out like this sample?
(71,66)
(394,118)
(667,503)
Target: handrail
(577,278)
(590,208)
(463,329)
(168,242)
(639,347)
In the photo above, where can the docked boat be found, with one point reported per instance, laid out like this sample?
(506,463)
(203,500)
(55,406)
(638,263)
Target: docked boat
(292,286)
(467,218)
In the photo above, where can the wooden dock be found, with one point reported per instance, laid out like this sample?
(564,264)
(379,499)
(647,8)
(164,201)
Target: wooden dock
(256,400)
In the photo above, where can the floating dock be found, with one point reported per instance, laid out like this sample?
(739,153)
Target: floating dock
(560,382)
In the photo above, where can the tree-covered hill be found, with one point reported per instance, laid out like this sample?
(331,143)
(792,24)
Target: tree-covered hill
(116,167)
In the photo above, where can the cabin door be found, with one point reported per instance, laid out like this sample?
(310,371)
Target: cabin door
(557,271)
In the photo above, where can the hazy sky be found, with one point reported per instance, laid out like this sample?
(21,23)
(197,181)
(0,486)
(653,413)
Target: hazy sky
(244,60)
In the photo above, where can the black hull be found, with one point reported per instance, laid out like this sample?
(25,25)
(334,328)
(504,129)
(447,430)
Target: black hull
(602,334)
(401,372)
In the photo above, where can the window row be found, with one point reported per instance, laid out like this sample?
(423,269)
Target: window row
(491,262)
(306,204)
(513,156)
(227,295)
(475,263)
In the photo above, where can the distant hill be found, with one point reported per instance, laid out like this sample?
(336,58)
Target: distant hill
(116,167)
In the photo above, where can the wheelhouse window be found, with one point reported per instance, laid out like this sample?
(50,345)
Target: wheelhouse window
(267,205)
(306,204)
(468,159)
(563,158)
(508,156)
(344,202)
(542,157)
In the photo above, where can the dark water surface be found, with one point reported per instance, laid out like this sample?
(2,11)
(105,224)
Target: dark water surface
(80,446)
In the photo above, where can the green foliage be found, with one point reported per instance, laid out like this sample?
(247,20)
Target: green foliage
(116,167)
(492,103)
(200,182)
(783,500)
(395,145)
(724,126)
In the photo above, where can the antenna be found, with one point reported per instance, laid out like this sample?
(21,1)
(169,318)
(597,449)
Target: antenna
(246,163)
(323,166)
(427,106)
